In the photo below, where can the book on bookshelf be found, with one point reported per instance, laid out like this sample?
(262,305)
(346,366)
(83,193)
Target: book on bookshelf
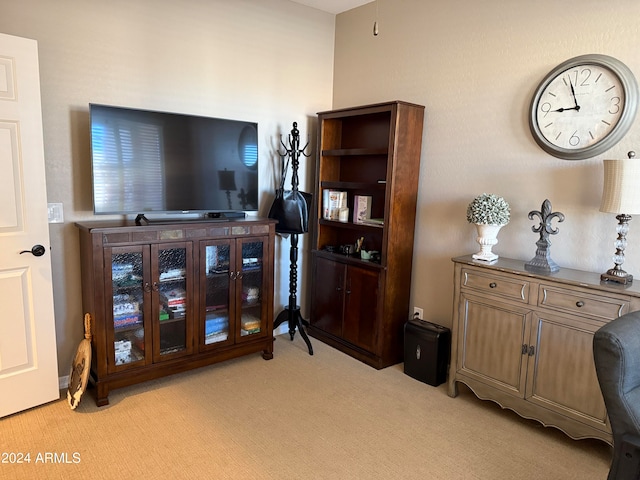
(361,208)
(332,202)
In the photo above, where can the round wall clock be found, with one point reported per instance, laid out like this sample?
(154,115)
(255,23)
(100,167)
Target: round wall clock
(583,107)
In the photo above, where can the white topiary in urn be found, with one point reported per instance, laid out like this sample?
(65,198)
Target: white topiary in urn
(489,213)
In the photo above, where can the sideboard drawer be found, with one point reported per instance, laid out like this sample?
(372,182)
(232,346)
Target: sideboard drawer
(509,287)
(581,303)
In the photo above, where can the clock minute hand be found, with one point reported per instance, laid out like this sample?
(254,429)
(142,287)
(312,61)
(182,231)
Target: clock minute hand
(573,93)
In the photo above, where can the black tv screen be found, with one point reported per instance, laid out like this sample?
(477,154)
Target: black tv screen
(146,161)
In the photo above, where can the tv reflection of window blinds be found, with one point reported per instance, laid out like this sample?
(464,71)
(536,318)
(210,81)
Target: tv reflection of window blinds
(250,157)
(134,148)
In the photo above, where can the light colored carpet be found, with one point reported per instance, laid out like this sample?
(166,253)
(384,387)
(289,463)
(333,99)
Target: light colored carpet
(297,416)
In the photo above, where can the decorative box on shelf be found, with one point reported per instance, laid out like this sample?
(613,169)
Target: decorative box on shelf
(361,208)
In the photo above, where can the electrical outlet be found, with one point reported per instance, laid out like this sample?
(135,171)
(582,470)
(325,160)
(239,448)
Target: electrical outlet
(417,312)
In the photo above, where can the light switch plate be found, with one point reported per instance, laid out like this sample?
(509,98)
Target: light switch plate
(56,214)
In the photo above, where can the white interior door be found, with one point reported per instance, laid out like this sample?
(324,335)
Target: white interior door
(28,361)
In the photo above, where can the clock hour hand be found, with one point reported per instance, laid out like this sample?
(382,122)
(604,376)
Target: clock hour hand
(576,108)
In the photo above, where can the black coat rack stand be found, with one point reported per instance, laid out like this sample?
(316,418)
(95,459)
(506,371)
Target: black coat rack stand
(291,312)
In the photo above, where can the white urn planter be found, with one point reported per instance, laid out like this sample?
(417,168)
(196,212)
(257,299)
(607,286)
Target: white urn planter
(487,238)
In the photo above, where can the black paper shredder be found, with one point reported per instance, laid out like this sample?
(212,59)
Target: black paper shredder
(426,351)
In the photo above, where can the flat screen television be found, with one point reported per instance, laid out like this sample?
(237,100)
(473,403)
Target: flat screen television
(147,162)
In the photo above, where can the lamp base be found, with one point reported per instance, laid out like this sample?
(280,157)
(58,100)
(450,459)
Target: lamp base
(618,276)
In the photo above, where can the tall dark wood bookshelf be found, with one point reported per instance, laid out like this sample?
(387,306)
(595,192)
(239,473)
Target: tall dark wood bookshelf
(360,306)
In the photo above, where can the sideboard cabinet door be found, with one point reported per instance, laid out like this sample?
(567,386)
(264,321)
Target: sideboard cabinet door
(563,376)
(491,344)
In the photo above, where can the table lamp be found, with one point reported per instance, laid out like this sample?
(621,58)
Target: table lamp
(227,180)
(621,195)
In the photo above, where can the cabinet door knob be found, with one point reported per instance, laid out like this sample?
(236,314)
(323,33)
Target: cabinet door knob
(493,285)
(532,350)
(147,287)
(579,304)
(525,348)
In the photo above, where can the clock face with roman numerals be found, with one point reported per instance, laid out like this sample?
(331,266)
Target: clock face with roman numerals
(583,107)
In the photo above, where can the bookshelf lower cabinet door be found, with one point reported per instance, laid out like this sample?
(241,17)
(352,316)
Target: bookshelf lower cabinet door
(360,308)
(345,302)
(328,300)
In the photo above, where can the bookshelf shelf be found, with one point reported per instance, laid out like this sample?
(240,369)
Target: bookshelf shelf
(349,152)
(354,185)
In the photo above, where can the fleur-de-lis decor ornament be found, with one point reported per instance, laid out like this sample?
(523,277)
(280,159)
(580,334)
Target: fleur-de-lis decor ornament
(542,262)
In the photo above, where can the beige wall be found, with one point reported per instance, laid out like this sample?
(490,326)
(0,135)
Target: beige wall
(269,61)
(475,65)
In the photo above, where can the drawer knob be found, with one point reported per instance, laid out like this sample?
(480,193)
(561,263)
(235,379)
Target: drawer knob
(579,304)
(493,285)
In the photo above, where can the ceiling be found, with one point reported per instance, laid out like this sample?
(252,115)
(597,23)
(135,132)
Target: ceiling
(333,6)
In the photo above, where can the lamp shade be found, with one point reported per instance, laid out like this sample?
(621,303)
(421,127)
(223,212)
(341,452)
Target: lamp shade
(227,179)
(621,189)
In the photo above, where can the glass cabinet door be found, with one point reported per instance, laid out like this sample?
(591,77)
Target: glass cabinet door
(216,290)
(171,303)
(127,333)
(250,284)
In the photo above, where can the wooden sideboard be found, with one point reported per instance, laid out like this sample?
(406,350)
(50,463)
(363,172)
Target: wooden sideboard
(524,340)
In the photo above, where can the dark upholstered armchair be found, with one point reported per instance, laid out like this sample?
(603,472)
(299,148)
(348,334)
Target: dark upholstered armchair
(616,351)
